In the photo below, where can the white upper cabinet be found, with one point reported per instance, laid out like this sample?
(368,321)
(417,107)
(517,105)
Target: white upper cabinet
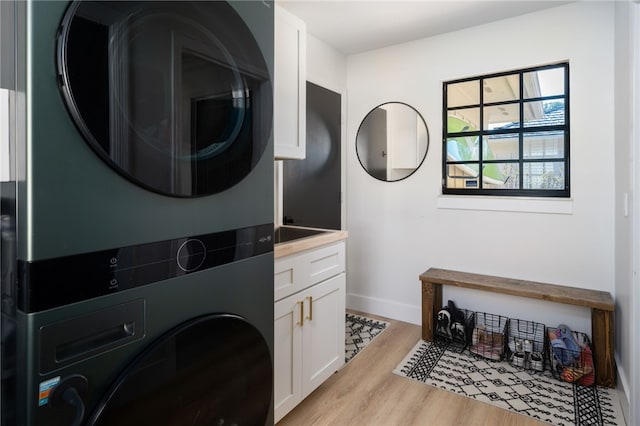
(289,124)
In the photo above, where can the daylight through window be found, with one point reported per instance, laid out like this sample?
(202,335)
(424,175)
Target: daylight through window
(508,133)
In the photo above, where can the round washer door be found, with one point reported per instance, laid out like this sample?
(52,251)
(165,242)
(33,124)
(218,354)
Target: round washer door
(175,96)
(212,370)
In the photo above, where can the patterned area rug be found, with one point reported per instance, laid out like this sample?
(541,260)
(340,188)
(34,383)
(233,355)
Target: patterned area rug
(537,395)
(359,332)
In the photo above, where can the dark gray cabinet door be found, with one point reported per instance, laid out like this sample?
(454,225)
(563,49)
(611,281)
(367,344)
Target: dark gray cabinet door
(311,187)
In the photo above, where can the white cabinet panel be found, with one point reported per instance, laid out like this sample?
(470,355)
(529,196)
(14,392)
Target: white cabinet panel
(309,322)
(288,278)
(287,356)
(290,91)
(323,332)
(301,270)
(324,263)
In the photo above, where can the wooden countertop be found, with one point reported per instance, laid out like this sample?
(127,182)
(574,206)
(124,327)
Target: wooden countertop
(301,244)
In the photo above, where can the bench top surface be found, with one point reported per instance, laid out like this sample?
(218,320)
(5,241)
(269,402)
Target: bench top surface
(554,293)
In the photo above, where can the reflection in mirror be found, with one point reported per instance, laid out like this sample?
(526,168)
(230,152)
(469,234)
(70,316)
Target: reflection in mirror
(392,141)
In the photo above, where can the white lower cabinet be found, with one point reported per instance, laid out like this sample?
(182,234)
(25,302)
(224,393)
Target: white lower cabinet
(309,341)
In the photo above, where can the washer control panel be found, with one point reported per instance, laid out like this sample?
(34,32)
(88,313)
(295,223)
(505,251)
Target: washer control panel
(89,275)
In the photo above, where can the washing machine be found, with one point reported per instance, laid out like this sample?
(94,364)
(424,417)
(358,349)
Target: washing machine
(143,216)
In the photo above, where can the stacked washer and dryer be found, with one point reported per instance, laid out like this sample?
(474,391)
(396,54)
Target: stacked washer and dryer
(141,215)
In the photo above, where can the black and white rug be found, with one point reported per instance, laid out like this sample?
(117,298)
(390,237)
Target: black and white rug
(359,332)
(537,395)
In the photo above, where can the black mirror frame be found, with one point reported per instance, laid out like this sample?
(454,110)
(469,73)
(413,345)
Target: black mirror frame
(425,152)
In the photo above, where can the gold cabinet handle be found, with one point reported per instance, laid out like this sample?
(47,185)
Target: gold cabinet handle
(310,317)
(301,322)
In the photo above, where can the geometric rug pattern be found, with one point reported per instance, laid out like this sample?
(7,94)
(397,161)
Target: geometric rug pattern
(359,332)
(535,394)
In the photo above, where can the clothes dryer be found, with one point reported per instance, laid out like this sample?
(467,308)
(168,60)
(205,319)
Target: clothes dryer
(144,209)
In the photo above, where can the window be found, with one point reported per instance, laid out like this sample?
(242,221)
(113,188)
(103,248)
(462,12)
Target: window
(507,133)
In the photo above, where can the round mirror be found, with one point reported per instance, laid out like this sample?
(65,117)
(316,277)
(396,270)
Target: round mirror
(392,141)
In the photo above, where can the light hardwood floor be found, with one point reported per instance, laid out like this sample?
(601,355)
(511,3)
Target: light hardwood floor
(366,392)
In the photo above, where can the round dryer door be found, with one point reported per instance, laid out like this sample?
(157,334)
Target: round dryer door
(175,96)
(214,370)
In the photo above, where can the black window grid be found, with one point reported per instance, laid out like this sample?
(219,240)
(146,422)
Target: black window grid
(521,130)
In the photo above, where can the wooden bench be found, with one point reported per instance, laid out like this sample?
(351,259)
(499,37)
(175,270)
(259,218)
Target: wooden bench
(600,302)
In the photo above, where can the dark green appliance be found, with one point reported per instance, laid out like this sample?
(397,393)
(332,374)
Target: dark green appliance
(140,214)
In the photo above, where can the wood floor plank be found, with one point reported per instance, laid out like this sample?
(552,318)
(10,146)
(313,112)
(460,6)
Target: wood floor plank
(366,393)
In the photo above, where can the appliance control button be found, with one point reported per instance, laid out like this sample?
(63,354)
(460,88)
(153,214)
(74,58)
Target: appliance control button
(191,255)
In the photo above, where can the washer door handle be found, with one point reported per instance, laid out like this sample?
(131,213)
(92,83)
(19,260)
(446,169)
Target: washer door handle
(69,392)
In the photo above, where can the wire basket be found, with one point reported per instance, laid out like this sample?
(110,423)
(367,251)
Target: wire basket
(526,344)
(571,356)
(488,336)
(454,327)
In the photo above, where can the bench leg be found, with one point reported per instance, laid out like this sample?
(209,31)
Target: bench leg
(431,305)
(602,323)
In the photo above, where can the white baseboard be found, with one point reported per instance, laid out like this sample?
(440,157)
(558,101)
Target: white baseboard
(385,308)
(625,392)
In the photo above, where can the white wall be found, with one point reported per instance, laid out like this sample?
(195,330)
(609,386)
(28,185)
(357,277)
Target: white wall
(326,66)
(623,190)
(634,318)
(397,230)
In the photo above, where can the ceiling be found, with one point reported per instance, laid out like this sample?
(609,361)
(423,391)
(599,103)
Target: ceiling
(354,26)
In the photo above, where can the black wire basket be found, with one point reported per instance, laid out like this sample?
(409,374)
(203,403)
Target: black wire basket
(526,344)
(454,327)
(571,362)
(489,336)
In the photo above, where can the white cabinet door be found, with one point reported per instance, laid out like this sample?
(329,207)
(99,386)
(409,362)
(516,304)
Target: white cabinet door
(290,98)
(323,263)
(287,355)
(301,270)
(323,332)
(309,341)
(309,322)
(289,275)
